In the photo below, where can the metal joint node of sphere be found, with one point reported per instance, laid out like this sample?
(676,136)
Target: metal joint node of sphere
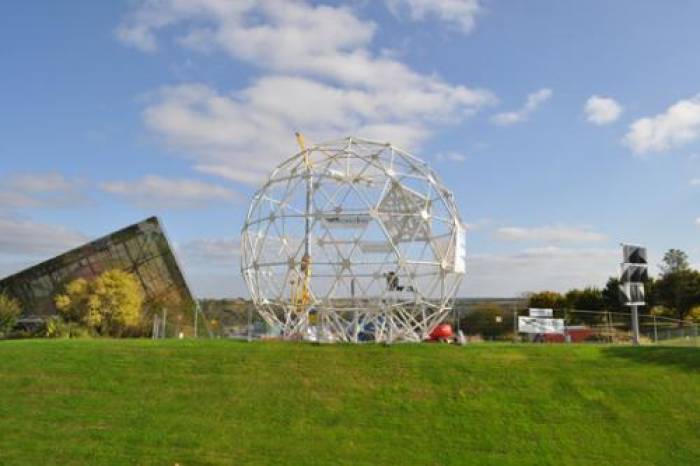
(351,241)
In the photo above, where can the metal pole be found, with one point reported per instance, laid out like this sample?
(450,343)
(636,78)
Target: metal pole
(635,325)
(306,260)
(165,319)
(456,319)
(656,335)
(196,315)
(515,323)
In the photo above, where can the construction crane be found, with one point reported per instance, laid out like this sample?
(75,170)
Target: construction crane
(301,295)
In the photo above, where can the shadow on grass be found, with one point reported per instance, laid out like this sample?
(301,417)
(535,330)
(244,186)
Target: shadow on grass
(687,358)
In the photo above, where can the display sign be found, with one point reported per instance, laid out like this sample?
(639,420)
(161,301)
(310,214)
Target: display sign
(541,325)
(634,273)
(632,254)
(538,312)
(346,220)
(632,294)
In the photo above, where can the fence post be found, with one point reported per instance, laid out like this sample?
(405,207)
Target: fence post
(515,324)
(656,336)
(156,327)
(250,323)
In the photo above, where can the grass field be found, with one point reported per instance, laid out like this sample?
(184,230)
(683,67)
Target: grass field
(223,402)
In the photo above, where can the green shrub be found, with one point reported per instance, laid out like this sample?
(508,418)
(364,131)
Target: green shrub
(56,327)
(488,320)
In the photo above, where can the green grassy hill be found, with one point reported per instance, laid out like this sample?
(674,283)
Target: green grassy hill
(223,402)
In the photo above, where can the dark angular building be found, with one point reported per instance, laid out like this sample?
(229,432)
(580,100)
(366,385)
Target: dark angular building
(141,249)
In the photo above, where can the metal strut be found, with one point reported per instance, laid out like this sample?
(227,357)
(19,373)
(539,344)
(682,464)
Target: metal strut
(303,296)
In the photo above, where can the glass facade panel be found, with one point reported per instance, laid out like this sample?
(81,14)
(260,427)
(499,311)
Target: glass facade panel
(141,249)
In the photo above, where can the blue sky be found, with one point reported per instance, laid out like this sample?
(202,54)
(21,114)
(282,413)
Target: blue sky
(563,127)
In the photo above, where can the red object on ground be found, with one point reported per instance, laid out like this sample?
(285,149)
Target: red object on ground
(441,332)
(578,334)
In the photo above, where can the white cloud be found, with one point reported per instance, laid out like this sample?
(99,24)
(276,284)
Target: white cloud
(156,191)
(697,221)
(242,136)
(549,268)
(557,233)
(459,13)
(277,34)
(319,76)
(695,182)
(450,157)
(212,266)
(20,237)
(677,126)
(533,101)
(284,36)
(602,110)
(50,189)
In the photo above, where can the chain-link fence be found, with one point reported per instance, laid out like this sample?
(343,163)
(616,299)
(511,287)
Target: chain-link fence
(165,325)
(495,320)
(492,323)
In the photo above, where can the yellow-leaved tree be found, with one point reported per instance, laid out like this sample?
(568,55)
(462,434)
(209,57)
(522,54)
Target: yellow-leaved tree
(10,310)
(108,304)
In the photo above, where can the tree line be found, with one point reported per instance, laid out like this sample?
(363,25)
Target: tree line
(112,304)
(675,293)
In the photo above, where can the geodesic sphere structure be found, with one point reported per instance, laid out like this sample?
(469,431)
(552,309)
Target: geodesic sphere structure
(353,240)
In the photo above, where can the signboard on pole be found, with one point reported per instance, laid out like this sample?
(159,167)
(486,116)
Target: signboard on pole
(541,325)
(538,312)
(633,294)
(346,220)
(633,274)
(632,254)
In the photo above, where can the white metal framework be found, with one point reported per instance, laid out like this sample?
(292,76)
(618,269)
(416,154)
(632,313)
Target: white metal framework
(353,240)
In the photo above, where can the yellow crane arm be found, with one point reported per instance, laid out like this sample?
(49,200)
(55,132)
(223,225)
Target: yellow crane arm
(303,296)
(302,146)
